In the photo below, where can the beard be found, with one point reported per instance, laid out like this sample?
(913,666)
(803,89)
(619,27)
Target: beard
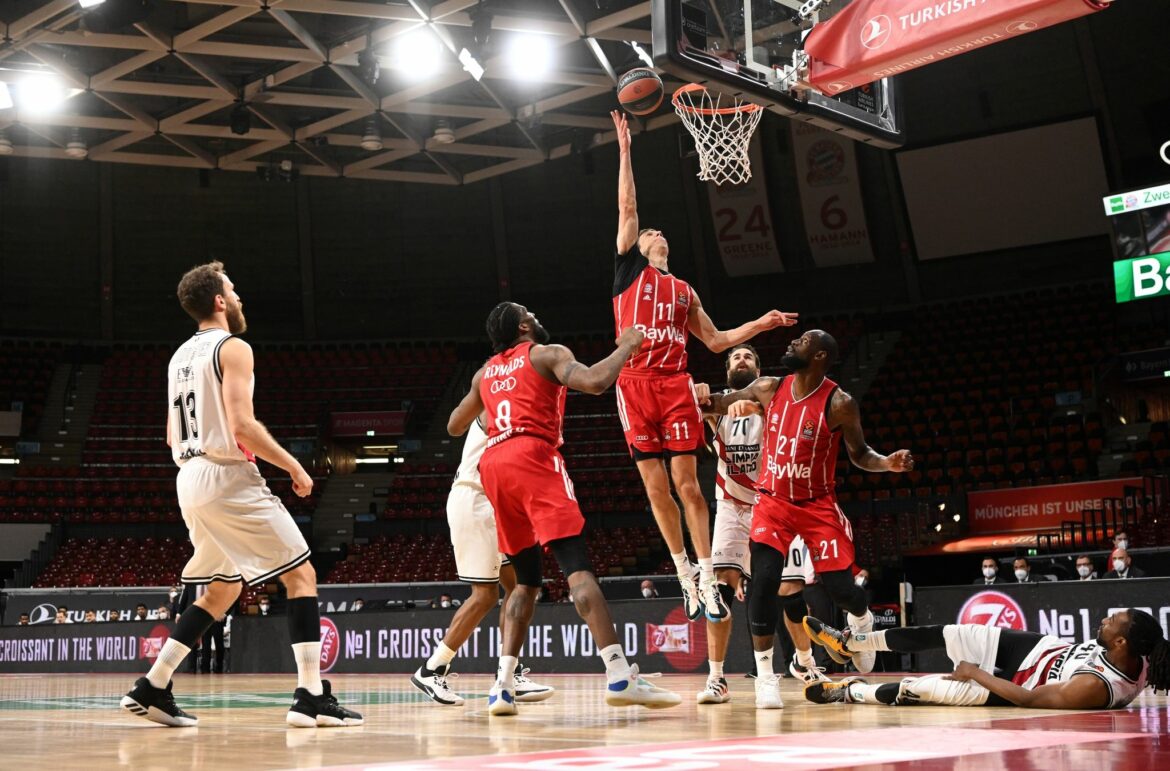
(741,379)
(237,324)
(541,335)
(793,362)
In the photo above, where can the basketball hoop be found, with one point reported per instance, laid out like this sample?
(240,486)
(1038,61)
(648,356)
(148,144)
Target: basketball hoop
(721,134)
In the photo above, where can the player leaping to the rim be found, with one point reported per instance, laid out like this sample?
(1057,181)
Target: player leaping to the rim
(655,395)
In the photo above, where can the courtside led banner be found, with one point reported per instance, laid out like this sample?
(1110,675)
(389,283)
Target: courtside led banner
(873,39)
(1141,278)
(1039,508)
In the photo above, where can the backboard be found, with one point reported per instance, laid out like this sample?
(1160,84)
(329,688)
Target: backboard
(704,41)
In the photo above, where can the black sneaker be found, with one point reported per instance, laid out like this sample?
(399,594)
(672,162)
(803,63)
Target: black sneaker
(309,711)
(156,705)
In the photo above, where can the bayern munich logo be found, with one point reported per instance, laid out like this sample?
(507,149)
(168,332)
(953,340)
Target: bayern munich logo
(993,609)
(330,644)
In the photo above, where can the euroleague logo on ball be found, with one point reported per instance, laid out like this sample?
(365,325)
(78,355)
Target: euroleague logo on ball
(330,644)
(993,609)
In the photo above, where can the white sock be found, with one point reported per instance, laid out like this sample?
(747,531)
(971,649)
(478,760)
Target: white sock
(868,641)
(860,623)
(681,563)
(864,693)
(716,668)
(169,659)
(616,666)
(440,657)
(805,658)
(706,569)
(308,657)
(763,664)
(506,671)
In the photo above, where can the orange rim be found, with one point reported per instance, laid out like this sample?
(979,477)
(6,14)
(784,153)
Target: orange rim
(692,87)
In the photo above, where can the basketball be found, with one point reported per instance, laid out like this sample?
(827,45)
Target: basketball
(640,91)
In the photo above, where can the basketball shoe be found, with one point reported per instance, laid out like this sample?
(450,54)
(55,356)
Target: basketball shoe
(822,692)
(808,675)
(156,705)
(502,698)
(768,692)
(690,593)
(309,711)
(715,692)
(713,604)
(863,660)
(634,690)
(527,690)
(434,684)
(834,641)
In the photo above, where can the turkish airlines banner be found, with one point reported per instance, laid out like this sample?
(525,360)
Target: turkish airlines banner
(830,196)
(389,423)
(743,223)
(1039,508)
(873,39)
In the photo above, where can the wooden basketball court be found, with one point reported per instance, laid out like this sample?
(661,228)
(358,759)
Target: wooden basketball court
(72,721)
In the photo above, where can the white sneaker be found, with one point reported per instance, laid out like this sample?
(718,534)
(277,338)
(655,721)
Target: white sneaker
(768,693)
(690,593)
(715,693)
(526,690)
(713,604)
(863,660)
(635,690)
(434,684)
(502,699)
(808,675)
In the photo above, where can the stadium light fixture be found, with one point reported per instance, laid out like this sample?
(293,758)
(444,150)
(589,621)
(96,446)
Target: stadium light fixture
(530,57)
(371,460)
(40,93)
(471,64)
(418,54)
(90,3)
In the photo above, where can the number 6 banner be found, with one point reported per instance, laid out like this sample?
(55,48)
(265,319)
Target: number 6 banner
(830,197)
(743,224)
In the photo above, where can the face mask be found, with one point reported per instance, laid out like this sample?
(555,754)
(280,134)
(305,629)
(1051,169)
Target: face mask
(444,604)
(263,608)
(859,580)
(173,595)
(989,572)
(647,593)
(1021,575)
(1122,544)
(1119,565)
(1084,570)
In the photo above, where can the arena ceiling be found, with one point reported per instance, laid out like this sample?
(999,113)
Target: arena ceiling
(165,88)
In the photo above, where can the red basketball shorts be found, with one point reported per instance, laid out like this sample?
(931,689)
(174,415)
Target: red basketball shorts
(659,412)
(528,486)
(819,521)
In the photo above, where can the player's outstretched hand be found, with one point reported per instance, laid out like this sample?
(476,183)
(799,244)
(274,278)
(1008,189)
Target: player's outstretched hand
(901,460)
(773,319)
(744,408)
(631,336)
(623,129)
(964,672)
(703,393)
(302,482)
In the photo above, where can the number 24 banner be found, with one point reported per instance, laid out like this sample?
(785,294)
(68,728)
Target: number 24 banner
(743,224)
(830,197)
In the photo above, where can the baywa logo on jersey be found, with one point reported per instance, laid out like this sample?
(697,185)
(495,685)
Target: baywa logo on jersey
(993,609)
(330,644)
(876,32)
(809,430)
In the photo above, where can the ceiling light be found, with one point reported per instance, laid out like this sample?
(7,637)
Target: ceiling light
(371,460)
(90,3)
(530,57)
(443,133)
(418,54)
(471,64)
(5,96)
(76,148)
(39,93)
(241,120)
(372,138)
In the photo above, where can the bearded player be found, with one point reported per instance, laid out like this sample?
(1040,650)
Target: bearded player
(806,417)
(655,395)
(1035,670)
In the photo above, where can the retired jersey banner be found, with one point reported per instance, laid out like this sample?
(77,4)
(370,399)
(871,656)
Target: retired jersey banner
(743,223)
(830,196)
(1040,508)
(873,39)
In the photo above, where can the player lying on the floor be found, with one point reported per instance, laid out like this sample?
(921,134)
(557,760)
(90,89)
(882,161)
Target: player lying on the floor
(1034,670)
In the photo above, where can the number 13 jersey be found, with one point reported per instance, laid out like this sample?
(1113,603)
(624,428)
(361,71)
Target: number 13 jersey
(197,425)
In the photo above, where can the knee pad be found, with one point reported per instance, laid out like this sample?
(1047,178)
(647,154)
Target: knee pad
(527,566)
(845,594)
(794,607)
(727,593)
(571,554)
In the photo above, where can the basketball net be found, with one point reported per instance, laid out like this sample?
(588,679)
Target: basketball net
(721,133)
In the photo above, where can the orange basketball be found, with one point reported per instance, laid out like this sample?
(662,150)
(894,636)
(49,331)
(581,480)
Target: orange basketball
(640,91)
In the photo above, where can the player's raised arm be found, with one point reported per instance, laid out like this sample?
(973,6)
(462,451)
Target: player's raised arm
(627,232)
(1078,692)
(846,415)
(760,392)
(718,341)
(470,408)
(559,361)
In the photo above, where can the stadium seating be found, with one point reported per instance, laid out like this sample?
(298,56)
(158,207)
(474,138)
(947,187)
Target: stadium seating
(116,562)
(26,370)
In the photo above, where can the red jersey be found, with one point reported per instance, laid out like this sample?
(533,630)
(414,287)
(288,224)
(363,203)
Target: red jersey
(519,400)
(800,451)
(656,303)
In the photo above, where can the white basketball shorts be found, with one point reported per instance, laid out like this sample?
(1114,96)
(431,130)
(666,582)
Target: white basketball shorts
(239,529)
(729,542)
(798,565)
(473,535)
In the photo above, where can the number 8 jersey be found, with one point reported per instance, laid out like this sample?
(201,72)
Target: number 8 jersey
(519,400)
(197,425)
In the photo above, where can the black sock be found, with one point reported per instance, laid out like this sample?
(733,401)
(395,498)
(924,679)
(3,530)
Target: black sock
(304,620)
(887,693)
(913,639)
(193,622)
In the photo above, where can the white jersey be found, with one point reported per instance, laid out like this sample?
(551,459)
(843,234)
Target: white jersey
(473,447)
(1055,661)
(198,424)
(737,442)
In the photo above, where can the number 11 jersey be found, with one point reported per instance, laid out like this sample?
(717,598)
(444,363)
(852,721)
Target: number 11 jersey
(197,425)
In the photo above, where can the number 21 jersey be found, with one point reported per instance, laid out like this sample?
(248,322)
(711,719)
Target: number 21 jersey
(197,425)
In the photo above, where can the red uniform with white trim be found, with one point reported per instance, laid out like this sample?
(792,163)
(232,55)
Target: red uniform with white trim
(522,472)
(655,395)
(798,477)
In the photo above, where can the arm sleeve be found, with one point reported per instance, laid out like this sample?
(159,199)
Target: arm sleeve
(626,268)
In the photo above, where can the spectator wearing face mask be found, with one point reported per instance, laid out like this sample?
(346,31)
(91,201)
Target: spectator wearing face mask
(1122,567)
(1121,540)
(163,613)
(648,590)
(265,608)
(1085,571)
(1023,571)
(444,601)
(990,573)
(358,604)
